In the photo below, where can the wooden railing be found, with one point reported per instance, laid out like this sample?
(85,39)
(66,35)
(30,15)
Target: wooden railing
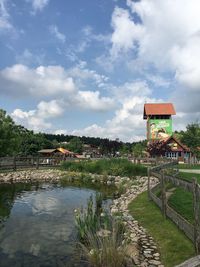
(190,230)
(14,163)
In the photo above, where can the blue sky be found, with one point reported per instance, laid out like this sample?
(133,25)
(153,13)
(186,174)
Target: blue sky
(87,67)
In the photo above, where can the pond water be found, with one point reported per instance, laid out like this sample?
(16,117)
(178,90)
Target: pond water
(37,224)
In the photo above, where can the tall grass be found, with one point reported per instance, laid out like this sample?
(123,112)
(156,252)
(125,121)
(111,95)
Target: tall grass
(101,237)
(116,167)
(105,250)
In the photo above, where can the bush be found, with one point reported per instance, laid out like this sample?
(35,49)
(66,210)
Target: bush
(117,167)
(101,236)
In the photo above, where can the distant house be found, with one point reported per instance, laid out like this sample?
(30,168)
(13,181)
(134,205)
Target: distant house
(172,148)
(56,152)
(90,151)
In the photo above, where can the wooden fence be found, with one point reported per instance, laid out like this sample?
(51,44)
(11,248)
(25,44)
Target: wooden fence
(190,230)
(193,262)
(14,163)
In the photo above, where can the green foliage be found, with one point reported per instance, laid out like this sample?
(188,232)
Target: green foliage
(117,167)
(139,148)
(75,145)
(31,143)
(182,202)
(191,137)
(101,236)
(9,136)
(174,246)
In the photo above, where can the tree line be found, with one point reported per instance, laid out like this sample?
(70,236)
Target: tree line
(17,140)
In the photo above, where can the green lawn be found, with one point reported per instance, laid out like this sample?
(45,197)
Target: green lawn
(182,202)
(189,176)
(189,166)
(174,246)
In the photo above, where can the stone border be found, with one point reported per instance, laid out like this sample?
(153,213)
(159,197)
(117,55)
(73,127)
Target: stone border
(143,249)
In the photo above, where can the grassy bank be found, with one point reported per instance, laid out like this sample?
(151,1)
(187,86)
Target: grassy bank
(181,200)
(174,246)
(121,167)
(189,176)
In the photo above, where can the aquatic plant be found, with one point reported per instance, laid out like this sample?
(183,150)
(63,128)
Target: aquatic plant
(105,248)
(101,236)
(121,167)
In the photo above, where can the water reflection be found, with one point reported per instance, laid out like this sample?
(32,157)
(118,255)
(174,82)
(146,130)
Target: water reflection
(37,224)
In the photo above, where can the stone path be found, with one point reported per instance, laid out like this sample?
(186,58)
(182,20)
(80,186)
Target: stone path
(144,250)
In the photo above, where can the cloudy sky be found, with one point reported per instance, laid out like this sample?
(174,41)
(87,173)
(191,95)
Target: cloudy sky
(87,67)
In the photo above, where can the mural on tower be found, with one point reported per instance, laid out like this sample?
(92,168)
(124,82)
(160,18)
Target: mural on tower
(159,128)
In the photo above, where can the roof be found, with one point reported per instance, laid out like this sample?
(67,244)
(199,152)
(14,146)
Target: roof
(158,109)
(177,141)
(60,149)
(47,150)
(64,151)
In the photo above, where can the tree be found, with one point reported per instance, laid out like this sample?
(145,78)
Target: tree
(138,150)
(191,137)
(9,135)
(75,145)
(31,143)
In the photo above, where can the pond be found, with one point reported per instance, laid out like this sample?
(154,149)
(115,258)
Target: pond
(37,224)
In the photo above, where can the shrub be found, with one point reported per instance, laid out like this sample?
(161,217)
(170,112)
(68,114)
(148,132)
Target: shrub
(117,167)
(101,236)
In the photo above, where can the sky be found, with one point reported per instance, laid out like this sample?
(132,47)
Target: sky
(87,67)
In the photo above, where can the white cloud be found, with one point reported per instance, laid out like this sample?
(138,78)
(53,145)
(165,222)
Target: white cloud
(54,81)
(92,100)
(81,73)
(127,123)
(167,37)
(4,17)
(36,119)
(55,32)
(125,33)
(38,5)
(41,81)
(27,58)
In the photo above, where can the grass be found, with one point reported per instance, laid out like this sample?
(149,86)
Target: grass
(173,245)
(101,236)
(182,202)
(189,176)
(189,166)
(116,167)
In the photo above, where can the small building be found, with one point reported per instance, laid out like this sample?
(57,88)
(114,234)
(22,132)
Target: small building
(90,151)
(172,148)
(56,152)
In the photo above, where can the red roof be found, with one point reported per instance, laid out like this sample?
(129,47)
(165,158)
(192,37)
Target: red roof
(158,109)
(177,141)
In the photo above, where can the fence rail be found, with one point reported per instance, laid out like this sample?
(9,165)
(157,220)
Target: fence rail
(190,230)
(14,163)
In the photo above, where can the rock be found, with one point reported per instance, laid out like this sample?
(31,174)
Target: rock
(154,262)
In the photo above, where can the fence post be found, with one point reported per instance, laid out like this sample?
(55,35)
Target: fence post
(149,173)
(164,200)
(37,163)
(14,164)
(196,207)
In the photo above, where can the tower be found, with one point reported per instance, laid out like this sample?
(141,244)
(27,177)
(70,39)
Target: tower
(159,120)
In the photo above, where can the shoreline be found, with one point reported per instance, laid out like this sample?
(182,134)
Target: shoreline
(142,248)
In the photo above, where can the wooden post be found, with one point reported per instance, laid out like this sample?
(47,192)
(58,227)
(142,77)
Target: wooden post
(196,207)
(164,200)
(149,173)
(14,164)
(37,163)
